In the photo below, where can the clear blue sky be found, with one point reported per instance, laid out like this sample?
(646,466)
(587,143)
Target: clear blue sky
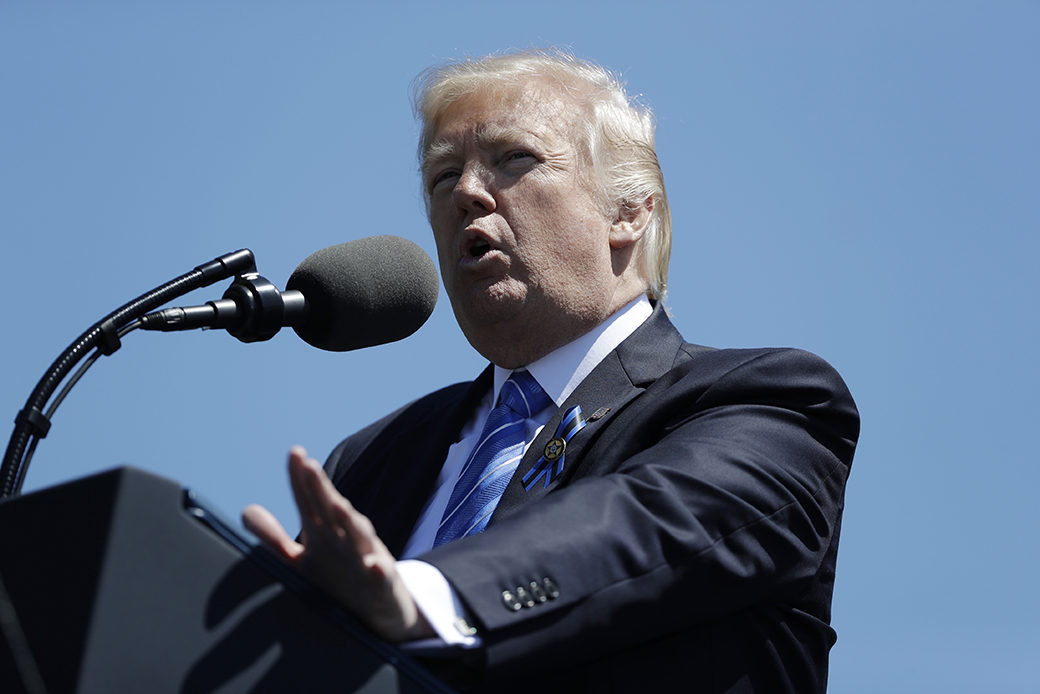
(860,180)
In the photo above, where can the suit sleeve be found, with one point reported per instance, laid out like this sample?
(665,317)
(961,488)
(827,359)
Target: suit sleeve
(716,491)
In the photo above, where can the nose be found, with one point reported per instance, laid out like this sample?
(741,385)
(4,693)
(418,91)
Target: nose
(471,192)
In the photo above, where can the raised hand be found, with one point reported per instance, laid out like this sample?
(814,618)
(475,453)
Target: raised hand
(339,551)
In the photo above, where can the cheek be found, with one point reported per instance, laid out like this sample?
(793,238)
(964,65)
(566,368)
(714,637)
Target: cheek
(582,236)
(442,237)
(447,265)
(441,241)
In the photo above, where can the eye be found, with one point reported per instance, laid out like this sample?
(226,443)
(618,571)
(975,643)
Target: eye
(447,175)
(517,161)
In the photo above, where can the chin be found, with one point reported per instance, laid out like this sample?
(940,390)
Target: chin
(487,307)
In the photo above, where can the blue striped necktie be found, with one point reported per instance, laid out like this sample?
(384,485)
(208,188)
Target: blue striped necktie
(494,459)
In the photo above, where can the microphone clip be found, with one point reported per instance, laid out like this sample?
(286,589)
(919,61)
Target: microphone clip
(252,310)
(256,310)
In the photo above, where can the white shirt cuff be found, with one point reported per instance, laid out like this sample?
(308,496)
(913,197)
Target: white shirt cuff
(439,604)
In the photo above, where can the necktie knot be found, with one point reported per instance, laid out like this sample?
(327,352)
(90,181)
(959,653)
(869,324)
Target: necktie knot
(523,395)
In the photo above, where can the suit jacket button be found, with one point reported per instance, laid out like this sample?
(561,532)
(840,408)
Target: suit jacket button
(525,598)
(510,600)
(551,589)
(538,592)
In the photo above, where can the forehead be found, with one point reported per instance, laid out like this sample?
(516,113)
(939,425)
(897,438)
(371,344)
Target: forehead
(490,115)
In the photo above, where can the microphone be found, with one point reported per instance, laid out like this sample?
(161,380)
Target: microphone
(366,292)
(362,293)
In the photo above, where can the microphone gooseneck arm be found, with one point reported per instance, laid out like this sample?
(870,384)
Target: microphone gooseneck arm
(362,293)
(33,423)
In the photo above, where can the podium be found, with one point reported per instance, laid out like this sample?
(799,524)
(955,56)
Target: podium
(123,582)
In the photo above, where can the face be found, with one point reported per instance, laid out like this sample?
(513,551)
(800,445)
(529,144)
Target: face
(528,254)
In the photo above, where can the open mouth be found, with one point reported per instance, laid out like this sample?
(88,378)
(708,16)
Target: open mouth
(479,248)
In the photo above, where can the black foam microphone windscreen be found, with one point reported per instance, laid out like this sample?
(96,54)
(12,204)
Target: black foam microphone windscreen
(366,292)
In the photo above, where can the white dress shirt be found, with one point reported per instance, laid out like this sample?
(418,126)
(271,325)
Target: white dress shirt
(558,373)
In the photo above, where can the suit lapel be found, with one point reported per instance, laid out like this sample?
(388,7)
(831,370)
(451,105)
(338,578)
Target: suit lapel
(412,464)
(621,377)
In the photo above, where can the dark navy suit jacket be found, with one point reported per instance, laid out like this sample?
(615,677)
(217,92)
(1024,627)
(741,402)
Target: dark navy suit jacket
(689,543)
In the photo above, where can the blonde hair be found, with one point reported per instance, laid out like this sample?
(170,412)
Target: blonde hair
(618,137)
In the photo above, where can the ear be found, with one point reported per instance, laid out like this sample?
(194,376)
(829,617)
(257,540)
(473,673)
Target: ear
(631,223)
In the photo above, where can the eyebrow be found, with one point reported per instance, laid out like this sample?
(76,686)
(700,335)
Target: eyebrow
(488,136)
(436,153)
(493,134)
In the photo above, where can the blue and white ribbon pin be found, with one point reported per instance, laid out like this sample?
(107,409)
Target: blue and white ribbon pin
(570,425)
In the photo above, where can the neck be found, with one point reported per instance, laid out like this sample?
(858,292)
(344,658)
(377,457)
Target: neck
(515,346)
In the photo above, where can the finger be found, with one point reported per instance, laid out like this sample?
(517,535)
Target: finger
(340,529)
(351,528)
(343,528)
(306,476)
(299,470)
(262,523)
(358,529)
(341,519)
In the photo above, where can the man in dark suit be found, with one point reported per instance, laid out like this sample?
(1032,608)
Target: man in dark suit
(668,517)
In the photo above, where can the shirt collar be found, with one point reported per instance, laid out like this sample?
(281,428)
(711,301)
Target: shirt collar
(560,371)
